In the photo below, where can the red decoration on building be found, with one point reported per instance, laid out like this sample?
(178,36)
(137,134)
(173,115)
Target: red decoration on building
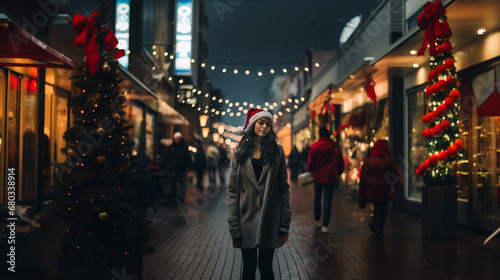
(86,38)
(370,90)
(428,20)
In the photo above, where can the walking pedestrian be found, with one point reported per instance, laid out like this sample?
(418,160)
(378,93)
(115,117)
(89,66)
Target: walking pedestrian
(223,161)
(258,195)
(304,154)
(379,178)
(179,158)
(294,163)
(200,163)
(326,163)
(213,158)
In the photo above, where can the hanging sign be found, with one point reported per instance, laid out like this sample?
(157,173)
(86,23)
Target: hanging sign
(183,37)
(122,29)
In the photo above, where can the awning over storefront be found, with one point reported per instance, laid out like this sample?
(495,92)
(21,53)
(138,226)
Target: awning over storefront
(19,48)
(170,115)
(137,90)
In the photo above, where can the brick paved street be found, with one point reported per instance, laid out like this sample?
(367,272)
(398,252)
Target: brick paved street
(192,242)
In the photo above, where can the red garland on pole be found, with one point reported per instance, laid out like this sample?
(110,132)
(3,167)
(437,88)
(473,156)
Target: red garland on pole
(86,38)
(433,21)
(370,90)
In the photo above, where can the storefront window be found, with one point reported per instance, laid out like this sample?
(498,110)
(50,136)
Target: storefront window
(56,123)
(28,111)
(357,138)
(485,149)
(416,143)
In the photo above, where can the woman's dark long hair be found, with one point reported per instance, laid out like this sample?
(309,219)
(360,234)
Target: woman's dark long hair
(268,146)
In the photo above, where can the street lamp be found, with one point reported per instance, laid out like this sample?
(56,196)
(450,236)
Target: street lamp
(216,137)
(203,120)
(205,131)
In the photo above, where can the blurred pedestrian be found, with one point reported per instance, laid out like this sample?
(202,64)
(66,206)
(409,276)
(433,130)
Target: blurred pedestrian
(379,178)
(304,154)
(213,158)
(200,164)
(326,163)
(179,159)
(294,163)
(223,161)
(258,195)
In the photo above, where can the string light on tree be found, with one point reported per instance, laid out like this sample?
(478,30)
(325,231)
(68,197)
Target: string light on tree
(443,143)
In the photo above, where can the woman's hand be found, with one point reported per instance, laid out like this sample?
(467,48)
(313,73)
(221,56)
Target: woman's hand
(237,243)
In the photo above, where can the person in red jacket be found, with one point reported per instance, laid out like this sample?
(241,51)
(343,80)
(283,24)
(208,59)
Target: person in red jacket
(379,178)
(326,163)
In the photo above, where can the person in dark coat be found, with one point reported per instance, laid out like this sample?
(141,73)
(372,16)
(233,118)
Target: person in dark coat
(304,154)
(258,195)
(179,158)
(200,164)
(326,163)
(379,178)
(294,163)
(223,161)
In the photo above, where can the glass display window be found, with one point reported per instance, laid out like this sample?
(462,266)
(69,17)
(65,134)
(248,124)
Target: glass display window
(56,123)
(28,140)
(484,147)
(416,152)
(365,125)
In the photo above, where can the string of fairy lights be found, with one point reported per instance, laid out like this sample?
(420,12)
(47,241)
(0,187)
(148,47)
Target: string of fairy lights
(239,70)
(241,108)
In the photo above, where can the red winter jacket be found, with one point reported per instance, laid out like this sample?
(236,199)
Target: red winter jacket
(325,161)
(379,176)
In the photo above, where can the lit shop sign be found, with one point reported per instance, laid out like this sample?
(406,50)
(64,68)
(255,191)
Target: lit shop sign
(183,37)
(122,29)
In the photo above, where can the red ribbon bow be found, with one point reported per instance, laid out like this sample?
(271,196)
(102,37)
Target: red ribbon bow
(370,91)
(86,29)
(428,20)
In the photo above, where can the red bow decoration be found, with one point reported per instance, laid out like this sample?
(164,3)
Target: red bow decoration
(428,20)
(86,29)
(370,91)
(324,110)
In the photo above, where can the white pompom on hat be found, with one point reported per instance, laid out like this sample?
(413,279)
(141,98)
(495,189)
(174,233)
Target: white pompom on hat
(252,116)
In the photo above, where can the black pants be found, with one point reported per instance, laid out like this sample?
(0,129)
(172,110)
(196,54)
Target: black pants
(265,262)
(200,172)
(377,223)
(327,202)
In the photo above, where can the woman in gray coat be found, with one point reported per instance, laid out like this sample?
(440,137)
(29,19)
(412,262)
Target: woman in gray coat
(258,195)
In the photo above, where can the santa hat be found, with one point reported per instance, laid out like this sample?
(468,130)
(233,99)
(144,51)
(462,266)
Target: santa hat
(252,116)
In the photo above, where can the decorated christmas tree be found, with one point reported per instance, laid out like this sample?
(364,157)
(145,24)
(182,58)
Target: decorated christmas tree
(442,133)
(99,183)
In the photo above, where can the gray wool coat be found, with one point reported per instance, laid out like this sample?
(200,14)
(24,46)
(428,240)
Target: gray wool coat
(258,208)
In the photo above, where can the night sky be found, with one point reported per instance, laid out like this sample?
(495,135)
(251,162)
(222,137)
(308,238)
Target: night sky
(262,34)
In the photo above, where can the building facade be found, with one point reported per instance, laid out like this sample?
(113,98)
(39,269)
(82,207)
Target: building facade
(382,51)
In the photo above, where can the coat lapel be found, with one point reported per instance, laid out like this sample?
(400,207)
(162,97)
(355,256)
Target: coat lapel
(250,173)
(265,169)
